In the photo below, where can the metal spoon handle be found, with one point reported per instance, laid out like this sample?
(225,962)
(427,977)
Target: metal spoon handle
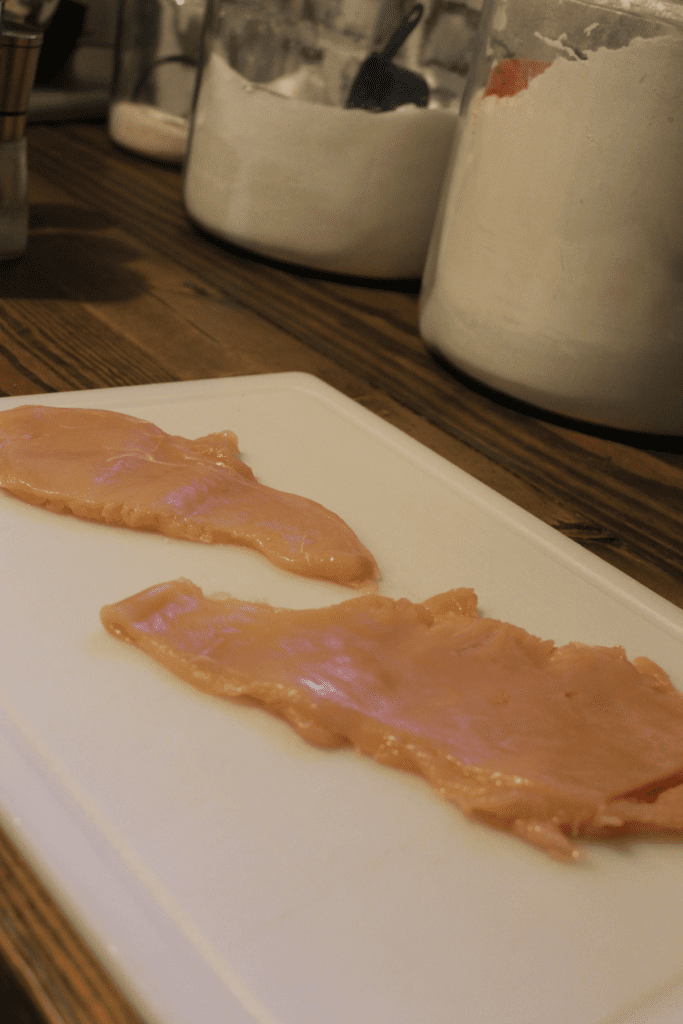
(403,31)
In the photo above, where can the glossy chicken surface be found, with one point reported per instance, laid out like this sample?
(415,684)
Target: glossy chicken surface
(548,743)
(117,469)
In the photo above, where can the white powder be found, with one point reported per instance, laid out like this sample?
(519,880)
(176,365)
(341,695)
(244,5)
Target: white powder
(148,130)
(556,268)
(346,191)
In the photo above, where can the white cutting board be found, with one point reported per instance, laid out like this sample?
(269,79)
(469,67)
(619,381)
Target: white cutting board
(227,873)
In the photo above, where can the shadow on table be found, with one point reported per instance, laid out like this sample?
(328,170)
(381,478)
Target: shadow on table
(17,1008)
(69,257)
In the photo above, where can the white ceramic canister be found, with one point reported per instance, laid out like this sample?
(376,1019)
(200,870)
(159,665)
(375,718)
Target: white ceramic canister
(277,161)
(555,271)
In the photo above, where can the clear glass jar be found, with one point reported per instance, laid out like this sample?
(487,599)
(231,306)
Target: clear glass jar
(555,271)
(157,54)
(13,198)
(19,53)
(279,163)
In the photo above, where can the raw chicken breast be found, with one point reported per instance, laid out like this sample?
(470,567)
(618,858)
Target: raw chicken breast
(117,469)
(545,742)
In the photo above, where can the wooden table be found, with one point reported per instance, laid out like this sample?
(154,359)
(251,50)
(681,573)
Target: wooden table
(117,287)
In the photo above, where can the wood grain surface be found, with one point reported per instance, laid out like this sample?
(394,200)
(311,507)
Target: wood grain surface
(117,287)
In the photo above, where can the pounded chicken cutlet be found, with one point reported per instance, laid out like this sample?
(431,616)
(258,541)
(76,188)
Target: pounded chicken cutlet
(116,469)
(548,743)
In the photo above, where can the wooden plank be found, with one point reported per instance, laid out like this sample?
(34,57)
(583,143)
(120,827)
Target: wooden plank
(54,978)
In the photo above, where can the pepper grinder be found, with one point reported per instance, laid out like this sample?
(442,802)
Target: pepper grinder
(19,51)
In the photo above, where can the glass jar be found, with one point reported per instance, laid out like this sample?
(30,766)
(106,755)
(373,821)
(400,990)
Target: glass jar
(282,163)
(156,60)
(555,271)
(19,53)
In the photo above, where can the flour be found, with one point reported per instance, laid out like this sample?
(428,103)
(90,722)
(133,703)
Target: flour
(556,269)
(338,190)
(149,131)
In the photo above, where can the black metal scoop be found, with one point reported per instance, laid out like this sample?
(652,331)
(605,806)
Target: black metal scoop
(380,84)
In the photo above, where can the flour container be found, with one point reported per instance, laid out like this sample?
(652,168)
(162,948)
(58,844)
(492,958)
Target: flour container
(156,61)
(555,272)
(280,163)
